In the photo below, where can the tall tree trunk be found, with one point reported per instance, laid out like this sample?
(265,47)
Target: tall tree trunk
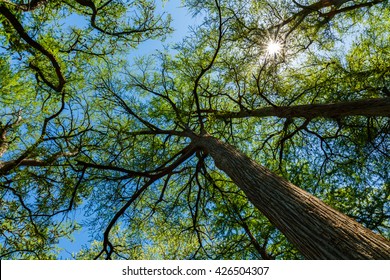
(317,230)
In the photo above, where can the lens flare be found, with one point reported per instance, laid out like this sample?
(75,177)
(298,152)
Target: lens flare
(273,47)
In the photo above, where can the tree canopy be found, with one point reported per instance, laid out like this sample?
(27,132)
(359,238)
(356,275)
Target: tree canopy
(302,88)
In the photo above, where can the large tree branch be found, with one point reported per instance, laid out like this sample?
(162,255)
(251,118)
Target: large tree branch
(375,107)
(129,173)
(321,4)
(7,166)
(145,25)
(23,34)
(30,6)
(296,19)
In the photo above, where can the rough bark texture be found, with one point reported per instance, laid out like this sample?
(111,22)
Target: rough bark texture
(369,108)
(317,230)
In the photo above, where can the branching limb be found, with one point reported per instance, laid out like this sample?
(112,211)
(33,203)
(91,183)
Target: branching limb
(260,248)
(374,107)
(108,248)
(149,23)
(23,34)
(288,136)
(334,5)
(208,67)
(32,5)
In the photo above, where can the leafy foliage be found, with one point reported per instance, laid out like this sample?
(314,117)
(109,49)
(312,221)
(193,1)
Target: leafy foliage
(83,127)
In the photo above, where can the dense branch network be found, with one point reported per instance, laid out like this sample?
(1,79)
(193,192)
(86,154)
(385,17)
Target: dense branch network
(46,123)
(142,149)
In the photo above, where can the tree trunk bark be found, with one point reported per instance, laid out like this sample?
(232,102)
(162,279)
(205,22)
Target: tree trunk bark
(317,230)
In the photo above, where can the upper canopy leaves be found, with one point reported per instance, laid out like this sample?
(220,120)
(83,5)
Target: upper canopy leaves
(84,128)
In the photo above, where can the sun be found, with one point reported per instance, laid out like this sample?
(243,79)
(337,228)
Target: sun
(273,47)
